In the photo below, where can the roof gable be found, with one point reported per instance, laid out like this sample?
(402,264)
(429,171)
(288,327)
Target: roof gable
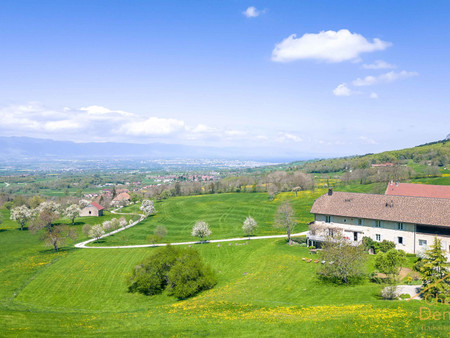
(97,206)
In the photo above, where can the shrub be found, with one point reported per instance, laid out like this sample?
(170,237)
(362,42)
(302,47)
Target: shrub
(389,292)
(180,271)
(385,246)
(404,296)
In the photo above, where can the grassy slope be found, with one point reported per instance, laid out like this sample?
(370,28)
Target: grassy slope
(263,286)
(224,212)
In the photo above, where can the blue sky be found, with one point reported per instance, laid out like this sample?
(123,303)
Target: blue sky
(357,77)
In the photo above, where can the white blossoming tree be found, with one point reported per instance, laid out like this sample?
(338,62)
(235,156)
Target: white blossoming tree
(201,229)
(107,226)
(72,212)
(21,215)
(123,222)
(147,207)
(96,231)
(249,226)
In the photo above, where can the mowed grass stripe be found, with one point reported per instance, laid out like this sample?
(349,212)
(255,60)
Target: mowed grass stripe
(225,214)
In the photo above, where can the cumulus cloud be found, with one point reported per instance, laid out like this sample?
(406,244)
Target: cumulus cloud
(373,95)
(252,12)
(379,64)
(329,46)
(153,126)
(342,90)
(101,124)
(383,78)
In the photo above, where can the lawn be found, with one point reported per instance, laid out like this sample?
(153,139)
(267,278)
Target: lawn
(225,214)
(264,287)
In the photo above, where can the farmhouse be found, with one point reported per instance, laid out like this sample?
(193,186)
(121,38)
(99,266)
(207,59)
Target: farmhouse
(418,190)
(123,196)
(93,209)
(410,222)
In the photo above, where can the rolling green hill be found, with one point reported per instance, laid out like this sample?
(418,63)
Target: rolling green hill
(263,287)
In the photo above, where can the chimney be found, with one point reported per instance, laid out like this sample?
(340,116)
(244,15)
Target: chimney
(330,192)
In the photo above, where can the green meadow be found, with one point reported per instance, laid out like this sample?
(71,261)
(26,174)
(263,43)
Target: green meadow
(225,214)
(264,286)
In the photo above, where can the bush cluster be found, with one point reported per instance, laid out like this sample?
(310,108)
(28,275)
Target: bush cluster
(179,271)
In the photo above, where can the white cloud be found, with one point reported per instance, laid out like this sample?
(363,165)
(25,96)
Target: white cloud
(329,46)
(284,137)
(61,125)
(367,140)
(379,64)
(252,12)
(383,78)
(153,126)
(342,90)
(373,95)
(201,128)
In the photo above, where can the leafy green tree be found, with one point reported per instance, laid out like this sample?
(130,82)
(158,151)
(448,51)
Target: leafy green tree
(181,271)
(390,262)
(386,245)
(434,270)
(189,275)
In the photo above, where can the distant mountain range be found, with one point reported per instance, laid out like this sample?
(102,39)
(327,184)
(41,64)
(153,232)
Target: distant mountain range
(29,148)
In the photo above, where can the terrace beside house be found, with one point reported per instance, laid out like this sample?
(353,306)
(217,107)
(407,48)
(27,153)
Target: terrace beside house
(410,222)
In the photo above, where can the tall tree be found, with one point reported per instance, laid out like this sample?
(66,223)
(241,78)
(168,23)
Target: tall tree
(72,212)
(390,262)
(434,270)
(285,219)
(344,261)
(52,235)
(21,215)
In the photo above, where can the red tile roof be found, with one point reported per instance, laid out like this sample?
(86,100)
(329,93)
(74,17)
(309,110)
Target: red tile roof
(418,190)
(96,205)
(416,210)
(122,196)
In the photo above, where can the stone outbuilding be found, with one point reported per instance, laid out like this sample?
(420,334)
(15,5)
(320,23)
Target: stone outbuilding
(93,209)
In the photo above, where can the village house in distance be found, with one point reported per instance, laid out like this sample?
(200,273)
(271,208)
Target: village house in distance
(92,209)
(411,222)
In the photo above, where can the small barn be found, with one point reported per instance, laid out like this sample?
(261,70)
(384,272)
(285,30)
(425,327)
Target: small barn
(93,209)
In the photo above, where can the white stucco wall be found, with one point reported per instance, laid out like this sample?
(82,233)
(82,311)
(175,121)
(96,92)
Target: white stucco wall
(387,231)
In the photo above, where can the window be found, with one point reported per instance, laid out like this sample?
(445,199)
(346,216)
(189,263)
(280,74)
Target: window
(360,221)
(378,237)
(328,219)
(345,220)
(355,236)
(90,212)
(377,224)
(400,226)
(422,242)
(400,240)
